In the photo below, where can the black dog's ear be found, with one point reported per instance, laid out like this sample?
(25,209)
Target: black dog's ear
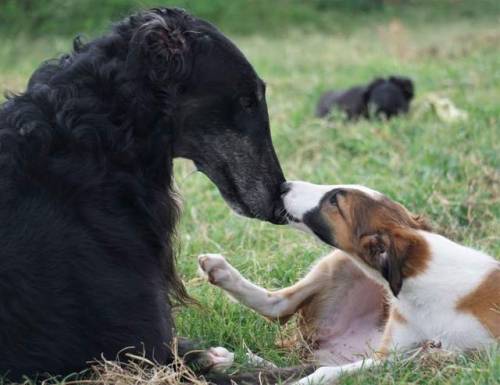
(405,84)
(159,46)
(381,253)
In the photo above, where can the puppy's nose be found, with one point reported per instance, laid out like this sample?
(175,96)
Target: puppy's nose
(285,187)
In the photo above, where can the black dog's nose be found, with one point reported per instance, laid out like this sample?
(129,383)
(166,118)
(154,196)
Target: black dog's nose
(285,187)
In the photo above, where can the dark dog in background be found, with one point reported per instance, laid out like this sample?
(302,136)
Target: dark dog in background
(383,97)
(87,207)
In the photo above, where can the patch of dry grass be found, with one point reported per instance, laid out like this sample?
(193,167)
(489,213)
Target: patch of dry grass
(140,371)
(135,370)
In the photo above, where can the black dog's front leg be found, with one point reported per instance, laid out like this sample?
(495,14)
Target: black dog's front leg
(203,361)
(211,362)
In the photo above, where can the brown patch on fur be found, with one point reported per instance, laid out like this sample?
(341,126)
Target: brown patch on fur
(484,303)
(343,228)
(380,232)
(410,246)
(370,214)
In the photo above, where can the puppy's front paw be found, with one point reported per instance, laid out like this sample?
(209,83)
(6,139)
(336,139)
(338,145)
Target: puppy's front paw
(215,268)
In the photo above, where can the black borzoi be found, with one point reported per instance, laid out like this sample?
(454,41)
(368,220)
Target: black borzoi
(87,207)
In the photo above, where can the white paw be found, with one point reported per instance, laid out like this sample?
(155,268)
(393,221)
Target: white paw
(215,268)
(220,358)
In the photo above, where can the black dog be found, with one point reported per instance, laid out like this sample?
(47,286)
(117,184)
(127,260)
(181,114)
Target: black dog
(385,97)
(87,207)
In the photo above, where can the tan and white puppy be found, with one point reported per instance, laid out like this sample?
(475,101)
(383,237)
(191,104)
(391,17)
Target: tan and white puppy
(391,285)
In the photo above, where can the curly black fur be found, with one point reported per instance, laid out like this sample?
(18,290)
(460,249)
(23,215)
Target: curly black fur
(87,206)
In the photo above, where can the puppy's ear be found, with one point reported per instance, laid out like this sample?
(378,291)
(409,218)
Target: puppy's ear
(421,222)
(381,253)
(415,221)
(405,84)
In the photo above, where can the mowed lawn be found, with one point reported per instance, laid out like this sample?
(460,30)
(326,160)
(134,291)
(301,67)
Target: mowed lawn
(450,172)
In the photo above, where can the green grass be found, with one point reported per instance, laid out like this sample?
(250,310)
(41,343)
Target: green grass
(449,172)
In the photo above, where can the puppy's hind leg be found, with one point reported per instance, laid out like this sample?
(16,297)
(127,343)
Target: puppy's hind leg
(397,335)
(327,375)
(276,305)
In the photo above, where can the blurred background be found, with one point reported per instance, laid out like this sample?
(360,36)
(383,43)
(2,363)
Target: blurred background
(447,169)
(68,17)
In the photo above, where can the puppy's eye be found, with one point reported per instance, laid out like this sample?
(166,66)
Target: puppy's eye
(247,103)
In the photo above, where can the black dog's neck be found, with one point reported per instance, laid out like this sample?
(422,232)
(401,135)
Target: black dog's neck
(85,134)
(103,114)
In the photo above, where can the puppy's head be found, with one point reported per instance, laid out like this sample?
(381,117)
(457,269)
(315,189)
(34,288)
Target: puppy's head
(376,231)
(389,97)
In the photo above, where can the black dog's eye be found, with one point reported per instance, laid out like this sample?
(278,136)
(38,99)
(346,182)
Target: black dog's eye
(247,103)
(181,89)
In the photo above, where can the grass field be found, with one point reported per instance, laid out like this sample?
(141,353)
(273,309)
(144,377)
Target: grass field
(448,171)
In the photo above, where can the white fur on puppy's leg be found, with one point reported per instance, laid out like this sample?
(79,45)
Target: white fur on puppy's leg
(220,358)
(328,375)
